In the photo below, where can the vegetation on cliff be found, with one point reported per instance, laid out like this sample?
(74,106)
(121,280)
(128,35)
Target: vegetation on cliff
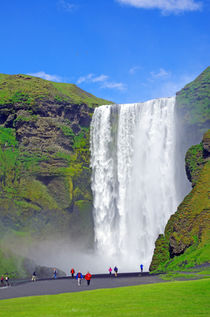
(186,240)
(44,156)
(192,106)
(29,90)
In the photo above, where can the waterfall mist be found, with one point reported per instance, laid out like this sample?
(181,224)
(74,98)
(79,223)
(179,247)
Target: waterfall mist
(134,189)
(133,179)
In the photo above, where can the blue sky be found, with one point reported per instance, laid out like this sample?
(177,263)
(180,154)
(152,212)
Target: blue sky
(120,50)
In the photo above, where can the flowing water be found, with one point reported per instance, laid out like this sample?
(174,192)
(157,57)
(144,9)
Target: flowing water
(133,179)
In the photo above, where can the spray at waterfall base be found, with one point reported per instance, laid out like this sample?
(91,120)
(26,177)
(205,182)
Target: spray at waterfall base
(134,189)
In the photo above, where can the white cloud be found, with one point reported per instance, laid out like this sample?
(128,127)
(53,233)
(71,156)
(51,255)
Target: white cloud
(113,85)
(87,78)
(169,88)
(134,69)
(161,74)
(67,6)
(103,80)
(165,6)
(99,78)
(46,76)
(91,78)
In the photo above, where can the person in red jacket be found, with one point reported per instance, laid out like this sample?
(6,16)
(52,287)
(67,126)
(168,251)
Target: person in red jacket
(88,278)
(2,280)
(72,272)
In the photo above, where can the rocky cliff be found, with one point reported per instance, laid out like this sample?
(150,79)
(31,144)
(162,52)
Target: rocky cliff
(193,110)
(186,240)
(192,113)
(44,156)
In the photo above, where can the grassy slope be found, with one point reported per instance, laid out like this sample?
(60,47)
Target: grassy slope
(28,89)
(187,231)
(168,299)
(26,203)
(193,100)
(199,273)
(12,264)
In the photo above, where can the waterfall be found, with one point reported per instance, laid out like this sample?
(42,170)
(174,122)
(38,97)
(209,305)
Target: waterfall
(133,179)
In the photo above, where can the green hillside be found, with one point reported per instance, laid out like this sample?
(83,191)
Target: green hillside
(27,90)
(45,170)
(44,160)
(193,108)
(186,240)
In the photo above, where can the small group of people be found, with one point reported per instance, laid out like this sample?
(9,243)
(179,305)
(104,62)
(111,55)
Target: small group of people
(115,271)
(5,279)
(34,275)
(80,277)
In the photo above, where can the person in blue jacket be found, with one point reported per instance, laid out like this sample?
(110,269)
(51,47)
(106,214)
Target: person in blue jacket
(141,267)
(79,278)
(115,271)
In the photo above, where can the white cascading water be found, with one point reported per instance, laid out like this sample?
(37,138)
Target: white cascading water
(133,179)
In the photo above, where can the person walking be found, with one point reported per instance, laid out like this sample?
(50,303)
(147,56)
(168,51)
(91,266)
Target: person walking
(2,280)
(110,271)
(33,277)
(79,278)
(55,274)
(115,270)
(141,267)
(72,272)
(7,279)
(88,278)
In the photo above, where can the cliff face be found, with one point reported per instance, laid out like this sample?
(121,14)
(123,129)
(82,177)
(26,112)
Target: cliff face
(44,155)
(186,240)
(192,113)
(192,108)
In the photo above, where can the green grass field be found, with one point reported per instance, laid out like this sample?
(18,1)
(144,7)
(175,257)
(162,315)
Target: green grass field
(190,274)
(189,298)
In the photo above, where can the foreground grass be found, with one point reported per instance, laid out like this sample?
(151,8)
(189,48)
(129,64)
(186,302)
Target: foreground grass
(189,298)
(190,274)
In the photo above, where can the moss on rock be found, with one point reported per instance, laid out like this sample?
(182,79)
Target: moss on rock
(187,231)
(44,152)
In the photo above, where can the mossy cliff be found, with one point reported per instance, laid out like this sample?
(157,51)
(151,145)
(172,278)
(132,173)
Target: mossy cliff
(192,120)
(186,240)
(193,110)
(44,155)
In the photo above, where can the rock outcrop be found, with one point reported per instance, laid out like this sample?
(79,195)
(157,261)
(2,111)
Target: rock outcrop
(44,155)
(186,240)
(192,109)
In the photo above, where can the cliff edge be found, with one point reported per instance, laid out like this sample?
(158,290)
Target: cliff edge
(186,240)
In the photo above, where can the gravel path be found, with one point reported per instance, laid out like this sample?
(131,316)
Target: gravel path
(68,285)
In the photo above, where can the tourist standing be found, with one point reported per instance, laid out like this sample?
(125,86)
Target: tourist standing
(7,279)
(2,280)
(110,271)
(141,267)
(33,277)
(72,272)
(88,278)
(115,270)
(79,278)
